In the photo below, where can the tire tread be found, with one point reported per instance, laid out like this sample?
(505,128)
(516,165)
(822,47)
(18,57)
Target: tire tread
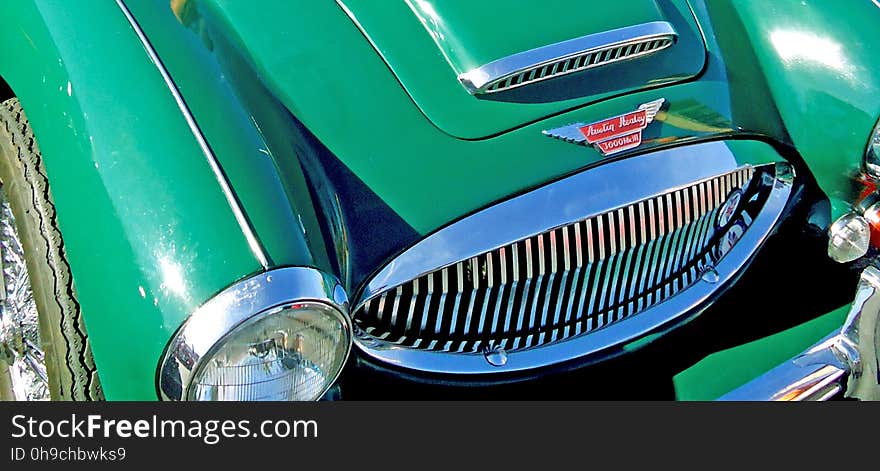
(80,381)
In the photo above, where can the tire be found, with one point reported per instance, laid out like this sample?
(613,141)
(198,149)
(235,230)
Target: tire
(69,368)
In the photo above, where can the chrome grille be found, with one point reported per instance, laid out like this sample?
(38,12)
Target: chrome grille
(580,62)
(562,283)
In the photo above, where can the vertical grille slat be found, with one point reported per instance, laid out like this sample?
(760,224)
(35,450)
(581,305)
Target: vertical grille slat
(626,279)
(568,281)
(444,286)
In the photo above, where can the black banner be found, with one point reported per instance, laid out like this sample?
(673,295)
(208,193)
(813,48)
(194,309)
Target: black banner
(462,435)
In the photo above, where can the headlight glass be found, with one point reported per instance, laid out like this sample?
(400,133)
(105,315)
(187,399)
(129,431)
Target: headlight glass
(872,154)
(292,353)
(281,335)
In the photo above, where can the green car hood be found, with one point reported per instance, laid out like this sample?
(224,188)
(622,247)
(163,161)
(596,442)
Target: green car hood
(321,128)
(314,129)
(429,43)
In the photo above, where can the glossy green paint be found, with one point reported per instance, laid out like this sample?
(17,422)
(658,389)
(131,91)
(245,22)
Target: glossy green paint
(429,43)
(242,125)
(818,62)
(469,35)
(126,160)
(724,371)
(380,133)
(147,231)
(383,138)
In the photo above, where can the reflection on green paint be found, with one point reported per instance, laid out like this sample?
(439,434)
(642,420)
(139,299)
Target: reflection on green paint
(704,381)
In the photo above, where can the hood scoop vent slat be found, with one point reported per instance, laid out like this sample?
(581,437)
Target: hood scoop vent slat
(575,55)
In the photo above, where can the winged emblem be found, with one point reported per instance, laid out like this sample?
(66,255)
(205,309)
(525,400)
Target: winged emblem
(612,135)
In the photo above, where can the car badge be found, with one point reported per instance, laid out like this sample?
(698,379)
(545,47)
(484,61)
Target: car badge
(613,135)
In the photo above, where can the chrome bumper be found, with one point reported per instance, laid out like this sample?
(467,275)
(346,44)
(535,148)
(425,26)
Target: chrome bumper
(844,362)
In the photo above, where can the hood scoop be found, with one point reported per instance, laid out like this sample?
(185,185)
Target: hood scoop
(567,57)
(479,72)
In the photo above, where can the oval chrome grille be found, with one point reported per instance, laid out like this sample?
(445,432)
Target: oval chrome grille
(562,283)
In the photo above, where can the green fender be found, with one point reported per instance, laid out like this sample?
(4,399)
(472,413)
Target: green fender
(148,231)
(819,68)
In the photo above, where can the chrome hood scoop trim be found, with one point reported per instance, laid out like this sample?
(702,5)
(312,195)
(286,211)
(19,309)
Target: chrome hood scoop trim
(567,57)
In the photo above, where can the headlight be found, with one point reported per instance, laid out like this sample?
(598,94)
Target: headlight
(286,354)
(282,336)
(872,153)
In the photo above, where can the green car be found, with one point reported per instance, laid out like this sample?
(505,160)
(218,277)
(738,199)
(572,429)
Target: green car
(363,199)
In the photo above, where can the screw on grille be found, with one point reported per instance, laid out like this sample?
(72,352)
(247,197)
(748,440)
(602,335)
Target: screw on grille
(496,356)
(710,275)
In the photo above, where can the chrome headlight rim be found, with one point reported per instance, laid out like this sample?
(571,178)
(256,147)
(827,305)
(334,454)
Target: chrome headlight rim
(246,301)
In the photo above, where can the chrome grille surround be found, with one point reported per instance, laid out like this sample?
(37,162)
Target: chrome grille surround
(567,57)
(562,283)
(589,271)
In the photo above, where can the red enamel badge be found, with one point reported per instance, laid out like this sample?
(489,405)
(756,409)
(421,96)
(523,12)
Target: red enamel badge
(612,135)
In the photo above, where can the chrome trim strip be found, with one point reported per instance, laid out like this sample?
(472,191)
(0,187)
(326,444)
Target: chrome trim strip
(233,306)
(565,202)
(845,361)
(237,211)
(479,80)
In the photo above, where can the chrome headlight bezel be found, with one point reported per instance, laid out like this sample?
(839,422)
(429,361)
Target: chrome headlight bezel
(259,296)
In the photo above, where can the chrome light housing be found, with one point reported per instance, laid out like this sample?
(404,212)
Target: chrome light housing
(283,335)
(849,238)
(872,153)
